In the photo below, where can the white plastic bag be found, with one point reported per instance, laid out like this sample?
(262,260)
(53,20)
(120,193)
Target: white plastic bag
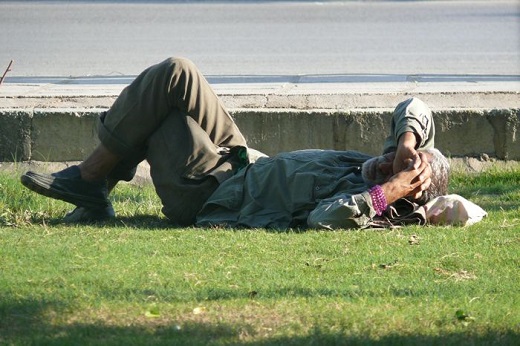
(453,210)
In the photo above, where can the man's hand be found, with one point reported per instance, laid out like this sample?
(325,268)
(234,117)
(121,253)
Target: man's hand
(410,182)
(405,152)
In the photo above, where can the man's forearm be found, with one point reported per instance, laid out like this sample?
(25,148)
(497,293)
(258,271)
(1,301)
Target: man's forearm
(412,116)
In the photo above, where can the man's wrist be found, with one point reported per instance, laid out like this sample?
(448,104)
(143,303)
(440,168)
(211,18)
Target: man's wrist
(391,192)
(408,140)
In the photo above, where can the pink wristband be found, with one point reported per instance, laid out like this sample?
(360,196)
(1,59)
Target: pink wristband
(378,199)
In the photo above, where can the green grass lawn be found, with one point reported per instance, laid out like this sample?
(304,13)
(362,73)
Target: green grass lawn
(137,280)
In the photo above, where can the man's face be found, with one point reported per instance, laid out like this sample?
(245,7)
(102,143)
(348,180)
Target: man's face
(378,169)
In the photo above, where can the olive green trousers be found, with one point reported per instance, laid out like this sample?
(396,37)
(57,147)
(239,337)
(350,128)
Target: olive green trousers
(170,116)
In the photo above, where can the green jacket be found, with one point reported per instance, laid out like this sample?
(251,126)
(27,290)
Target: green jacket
(309,188)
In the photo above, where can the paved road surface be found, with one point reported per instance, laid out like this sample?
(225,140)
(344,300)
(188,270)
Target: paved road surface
(80,38)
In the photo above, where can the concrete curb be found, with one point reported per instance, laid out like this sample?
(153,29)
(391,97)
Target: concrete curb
(56,121)
(70,134)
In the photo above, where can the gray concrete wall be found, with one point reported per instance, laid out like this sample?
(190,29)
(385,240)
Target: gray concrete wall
(68,134)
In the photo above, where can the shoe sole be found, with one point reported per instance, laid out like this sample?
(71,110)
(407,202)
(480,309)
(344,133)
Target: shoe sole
(47,191)
(84,215)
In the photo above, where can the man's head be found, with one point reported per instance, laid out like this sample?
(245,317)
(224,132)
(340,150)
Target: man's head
(379,170)
(440,176)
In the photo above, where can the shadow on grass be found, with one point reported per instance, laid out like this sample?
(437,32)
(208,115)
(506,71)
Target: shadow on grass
(143,221)
(39,322)
(148,223)
(170,295)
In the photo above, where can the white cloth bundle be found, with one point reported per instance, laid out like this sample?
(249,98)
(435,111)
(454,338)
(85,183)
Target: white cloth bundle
(453,210)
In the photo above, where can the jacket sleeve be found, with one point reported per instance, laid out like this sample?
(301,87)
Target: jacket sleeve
(342,211)
(412,115)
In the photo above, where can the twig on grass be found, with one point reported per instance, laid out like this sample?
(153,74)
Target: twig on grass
(5,72)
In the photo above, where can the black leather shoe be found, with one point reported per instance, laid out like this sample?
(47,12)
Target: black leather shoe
(82,214)
(67,185)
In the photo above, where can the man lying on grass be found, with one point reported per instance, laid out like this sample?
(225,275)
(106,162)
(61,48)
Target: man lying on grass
(205,174)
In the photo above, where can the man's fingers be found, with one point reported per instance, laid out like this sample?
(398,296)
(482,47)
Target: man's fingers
(421,182)
(425,170)
(417,161)
(420,173)
(419,186)
(425,174)
(426,184)
(416,178)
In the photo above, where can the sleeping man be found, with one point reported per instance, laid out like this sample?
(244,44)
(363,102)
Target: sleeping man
(205,174)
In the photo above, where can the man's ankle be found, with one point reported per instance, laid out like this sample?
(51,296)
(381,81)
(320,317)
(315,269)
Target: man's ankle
(89,175)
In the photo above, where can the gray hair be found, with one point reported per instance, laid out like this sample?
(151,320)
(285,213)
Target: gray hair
(440,176)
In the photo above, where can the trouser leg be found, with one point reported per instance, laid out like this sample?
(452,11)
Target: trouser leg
(181,157)
(174,84)
(172,114)
(126,168)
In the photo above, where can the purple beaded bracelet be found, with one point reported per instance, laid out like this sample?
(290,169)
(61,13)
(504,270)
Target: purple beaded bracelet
(378,199)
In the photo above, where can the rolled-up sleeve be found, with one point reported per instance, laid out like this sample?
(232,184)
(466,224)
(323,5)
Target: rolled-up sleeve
(412,115)
(343,211)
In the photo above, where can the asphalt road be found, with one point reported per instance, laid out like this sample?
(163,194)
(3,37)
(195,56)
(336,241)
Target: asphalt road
(110,38)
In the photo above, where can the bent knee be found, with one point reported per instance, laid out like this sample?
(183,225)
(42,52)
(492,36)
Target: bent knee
(180,64)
